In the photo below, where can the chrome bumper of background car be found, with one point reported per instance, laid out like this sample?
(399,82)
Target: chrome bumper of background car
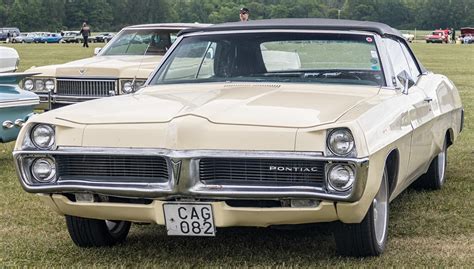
(45,99)
(184,178)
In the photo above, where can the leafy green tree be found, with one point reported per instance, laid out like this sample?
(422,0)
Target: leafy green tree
(52,15)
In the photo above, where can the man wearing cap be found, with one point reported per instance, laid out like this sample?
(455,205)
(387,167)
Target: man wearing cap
(244,14)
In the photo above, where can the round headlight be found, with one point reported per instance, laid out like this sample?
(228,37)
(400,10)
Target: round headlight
(39,85)
(127,87)
(43,170)
(341,177)
(49,85)
(341,142)
(28,85)
(42,136)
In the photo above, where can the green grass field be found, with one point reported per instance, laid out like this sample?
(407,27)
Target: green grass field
(433,229)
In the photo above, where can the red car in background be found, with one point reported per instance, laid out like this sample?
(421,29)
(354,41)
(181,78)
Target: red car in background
(438,36)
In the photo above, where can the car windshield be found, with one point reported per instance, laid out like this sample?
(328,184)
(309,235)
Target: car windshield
(274,57)
(141,42)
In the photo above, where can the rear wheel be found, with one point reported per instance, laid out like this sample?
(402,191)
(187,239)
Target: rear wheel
(436,176)
(86,232)
(369,237)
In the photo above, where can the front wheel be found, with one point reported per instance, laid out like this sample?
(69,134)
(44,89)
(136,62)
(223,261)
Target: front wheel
(86,232)
(369,237)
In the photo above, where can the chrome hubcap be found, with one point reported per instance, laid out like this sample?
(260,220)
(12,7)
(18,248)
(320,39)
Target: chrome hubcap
(114,226)
(380,205)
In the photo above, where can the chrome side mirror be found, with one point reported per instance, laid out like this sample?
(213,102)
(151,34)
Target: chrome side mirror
(406,80)
(97,50)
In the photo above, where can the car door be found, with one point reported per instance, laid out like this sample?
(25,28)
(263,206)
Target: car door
(419,106)
(425,135)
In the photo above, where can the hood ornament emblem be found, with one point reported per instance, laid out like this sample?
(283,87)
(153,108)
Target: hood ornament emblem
(82,71)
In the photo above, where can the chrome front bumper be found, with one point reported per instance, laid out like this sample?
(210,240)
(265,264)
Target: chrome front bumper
(184,181)
(47,100)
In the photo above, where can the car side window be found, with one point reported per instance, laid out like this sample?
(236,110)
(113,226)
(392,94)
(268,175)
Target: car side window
(191,61)
(397,58)
(415,72)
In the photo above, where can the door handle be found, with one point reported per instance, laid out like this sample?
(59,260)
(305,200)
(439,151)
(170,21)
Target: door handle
(428,99)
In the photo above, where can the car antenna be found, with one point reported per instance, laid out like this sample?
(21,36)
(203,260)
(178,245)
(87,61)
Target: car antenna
(140,65)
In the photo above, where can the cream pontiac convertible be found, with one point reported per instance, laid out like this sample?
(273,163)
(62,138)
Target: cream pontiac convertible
(263,123)
(121,67)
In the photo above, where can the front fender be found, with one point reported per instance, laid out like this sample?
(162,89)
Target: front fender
(356,211)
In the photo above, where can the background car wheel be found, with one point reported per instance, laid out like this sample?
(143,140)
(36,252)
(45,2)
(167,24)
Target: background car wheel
(436,176)
(369,237)
(96,233)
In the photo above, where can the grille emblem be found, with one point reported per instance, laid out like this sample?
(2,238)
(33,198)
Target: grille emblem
(176,169)
(292,169)
(82,71)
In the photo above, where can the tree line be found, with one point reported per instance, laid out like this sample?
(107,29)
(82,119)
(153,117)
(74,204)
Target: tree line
(112,15)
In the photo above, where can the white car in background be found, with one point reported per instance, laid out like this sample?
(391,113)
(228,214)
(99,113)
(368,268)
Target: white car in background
(409,37)
(9,60)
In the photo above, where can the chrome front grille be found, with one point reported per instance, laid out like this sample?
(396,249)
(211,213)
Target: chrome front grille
(86,88)
(261,171)
(111,168)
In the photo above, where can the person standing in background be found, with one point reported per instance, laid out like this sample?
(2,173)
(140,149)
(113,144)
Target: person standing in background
(86,32)
(453,35)
(244,14)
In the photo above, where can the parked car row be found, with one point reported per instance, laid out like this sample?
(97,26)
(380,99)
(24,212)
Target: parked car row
(37,37)
(445,36)
(235,125)
(65,37)
(76,37)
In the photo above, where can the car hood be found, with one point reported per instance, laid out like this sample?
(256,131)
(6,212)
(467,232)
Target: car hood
(103,66)
(278,105)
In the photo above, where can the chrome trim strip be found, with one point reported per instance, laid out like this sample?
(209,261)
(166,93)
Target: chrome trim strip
(185,153)
(189,184)
(278,30)
(19,102)
(82,78)
(66,99)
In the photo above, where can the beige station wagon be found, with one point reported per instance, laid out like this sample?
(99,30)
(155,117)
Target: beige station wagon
(273,122)
(121,67)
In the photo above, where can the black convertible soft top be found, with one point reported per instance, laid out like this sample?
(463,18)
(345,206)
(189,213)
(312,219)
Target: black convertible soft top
(313,24)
